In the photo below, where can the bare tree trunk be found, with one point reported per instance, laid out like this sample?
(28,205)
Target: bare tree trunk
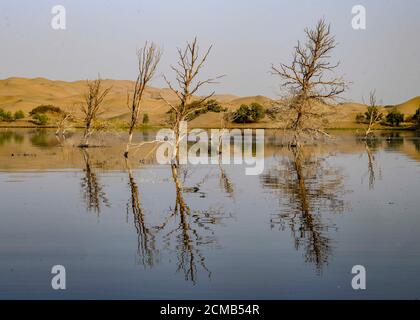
(306,81)
(85,138)
(374,114)
(189,65)
(127,147)
(148,60)
(93,102)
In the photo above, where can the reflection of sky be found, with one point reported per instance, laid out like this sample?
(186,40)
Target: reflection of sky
(102,36)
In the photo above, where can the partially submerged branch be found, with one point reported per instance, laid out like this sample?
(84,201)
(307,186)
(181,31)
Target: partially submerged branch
(148,60)
(93,97)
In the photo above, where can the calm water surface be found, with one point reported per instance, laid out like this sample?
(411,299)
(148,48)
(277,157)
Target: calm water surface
(127,230)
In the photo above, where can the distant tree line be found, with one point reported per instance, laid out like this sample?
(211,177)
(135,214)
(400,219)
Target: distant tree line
(8,116)
(393,118)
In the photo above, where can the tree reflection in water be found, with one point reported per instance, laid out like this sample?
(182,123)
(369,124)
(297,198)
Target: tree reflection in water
(146,248)
(184,231)
(92,189)
(371,145)
(308,189)
(225,182)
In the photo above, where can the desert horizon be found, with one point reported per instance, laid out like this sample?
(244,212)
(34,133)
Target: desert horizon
(19,93)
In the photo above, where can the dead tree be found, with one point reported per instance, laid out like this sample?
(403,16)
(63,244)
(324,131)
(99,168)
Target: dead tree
(373,116)
(63,122)
(93,97)
(148,60)
(307,81)
(187,69)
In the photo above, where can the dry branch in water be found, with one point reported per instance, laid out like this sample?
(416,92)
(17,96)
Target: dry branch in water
(374,116)
(63,123)
(187,69)
(93,97)
(148,60)
(306,80)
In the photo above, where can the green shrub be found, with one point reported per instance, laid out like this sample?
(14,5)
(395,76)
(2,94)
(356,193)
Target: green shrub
(360,118)
(6,115)
(373,111)
(145,118)
(19,114)
(40,119)
(416,116)
(45,108)
(208,106)
(249,113)
(394,118)
(214,106)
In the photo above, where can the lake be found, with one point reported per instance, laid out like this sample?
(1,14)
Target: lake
(129,230)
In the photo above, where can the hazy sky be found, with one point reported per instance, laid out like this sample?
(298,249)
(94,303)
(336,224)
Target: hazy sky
(102,36)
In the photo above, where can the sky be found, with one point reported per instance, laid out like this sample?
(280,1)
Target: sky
(102,36)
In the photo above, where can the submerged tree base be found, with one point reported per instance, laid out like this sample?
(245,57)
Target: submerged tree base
(85,146)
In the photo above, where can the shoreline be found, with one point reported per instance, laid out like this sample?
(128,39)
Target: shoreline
(236,126)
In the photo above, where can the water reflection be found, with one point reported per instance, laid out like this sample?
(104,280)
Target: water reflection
(185,232)
(225,182)
(146,245)
(416,143)
(92,190)
(371,145)
(191,229)
(308,188)
(42,138)
(9,136)
(394,140)
(179,218)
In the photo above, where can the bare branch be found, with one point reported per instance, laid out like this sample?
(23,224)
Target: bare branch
(148,59)
(306,77)
(93,97)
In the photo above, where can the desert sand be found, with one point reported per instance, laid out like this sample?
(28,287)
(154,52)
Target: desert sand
(27,93)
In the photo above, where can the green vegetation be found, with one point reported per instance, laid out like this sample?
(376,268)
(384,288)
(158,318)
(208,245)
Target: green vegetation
(360,118)
(40,119)
(395,118)
(249,113)
(39,116)
(209,106)
(6,115)
(416,117)
(373,113)
(19,114)
(44,108)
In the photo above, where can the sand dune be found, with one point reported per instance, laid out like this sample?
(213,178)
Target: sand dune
(409,107)
(27,93)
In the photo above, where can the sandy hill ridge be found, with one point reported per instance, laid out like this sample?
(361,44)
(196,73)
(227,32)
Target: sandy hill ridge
(409,107)
(27,93)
